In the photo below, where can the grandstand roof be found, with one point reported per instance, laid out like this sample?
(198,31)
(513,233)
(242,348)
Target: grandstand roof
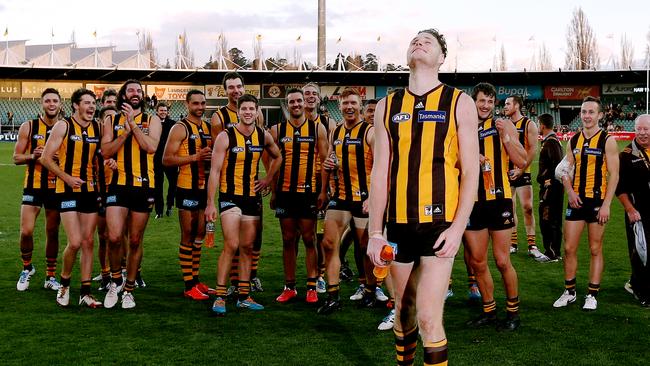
(78,53)
(41,49)
(202,76)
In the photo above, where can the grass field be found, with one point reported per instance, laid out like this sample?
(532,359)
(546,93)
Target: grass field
(166,328)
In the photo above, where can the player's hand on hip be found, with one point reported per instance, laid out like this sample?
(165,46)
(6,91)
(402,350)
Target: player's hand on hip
(448,242)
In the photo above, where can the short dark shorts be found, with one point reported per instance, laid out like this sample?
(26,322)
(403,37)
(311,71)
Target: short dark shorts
(588,212)
(290,205)
(84,202)
(355,208)
(415,240)
(136,199)
(191,200)
(523,180)
(41,197)
(492,215)
(249,206)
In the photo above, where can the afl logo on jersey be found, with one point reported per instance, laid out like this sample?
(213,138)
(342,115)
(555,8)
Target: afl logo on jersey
(286,139)
(401,117)
(237,149)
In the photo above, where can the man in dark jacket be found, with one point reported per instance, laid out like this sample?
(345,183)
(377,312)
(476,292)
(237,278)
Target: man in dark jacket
(634,193)
(551,193)
(162,111)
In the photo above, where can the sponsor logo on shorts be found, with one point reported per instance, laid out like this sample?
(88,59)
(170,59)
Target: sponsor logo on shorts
(151,200)
(505,214)
(568,212)
(190,203)
(332,204)
(28,198)
(401,117)
(432,116)
(506,222)
(279,211)
(111,199)
(68,204)
(225,204)
(237,149)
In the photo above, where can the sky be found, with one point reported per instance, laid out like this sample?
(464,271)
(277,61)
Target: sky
(474,30)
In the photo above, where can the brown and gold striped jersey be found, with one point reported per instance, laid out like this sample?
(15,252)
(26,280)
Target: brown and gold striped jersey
(298,149)
(193,175)
(590,179)
(491,147)
(354,156)
(77,155)
(134,164)
(241,164)
(37,176)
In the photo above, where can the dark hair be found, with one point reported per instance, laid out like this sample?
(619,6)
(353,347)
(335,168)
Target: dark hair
(247,98)
(485,88)
(231,75)
(193,92)
(161,104)
(596,100)
(77,94)
(50,91)
(517,99)
(110,92)
(546,120)
(121,95)
(102,112)
(294,90)
(349,91)
(371,101)
(439,37)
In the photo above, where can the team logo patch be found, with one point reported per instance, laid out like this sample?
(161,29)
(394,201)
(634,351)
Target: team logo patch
(190,203)
(68,204)
(38,137)
(194,136)
(151,200)
(28,198)
(237,149)
(337,142)
(576,151)
(432,116)
(255,149)
(332,204)
(349,141)
(505,214)
(487,133)
(568,212)
(76,138)
(118,127)
(284,140)
(433,210)
(279,211)
(401,117)
(111,199)
(593,151)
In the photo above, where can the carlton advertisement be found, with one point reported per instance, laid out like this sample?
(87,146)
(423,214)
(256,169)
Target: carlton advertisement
(571,92)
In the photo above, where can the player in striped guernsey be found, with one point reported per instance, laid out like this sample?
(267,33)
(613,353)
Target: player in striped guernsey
(311,92)
(234,173)
(38,191)
(520,178)
(75,142)
(425,177)
(492,215)
(294,194)
(189,147)
(590,193)
(350,158)
(130,138)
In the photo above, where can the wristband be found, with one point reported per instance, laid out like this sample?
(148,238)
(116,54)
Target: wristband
(375,232)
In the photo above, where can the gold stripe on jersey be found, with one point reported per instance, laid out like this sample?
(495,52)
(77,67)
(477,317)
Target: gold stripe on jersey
(522,128)
(36,176)
(423,173)
(355,162)
(492,148)
(241,164)
(228,117)
(590,179)
(298,148)
(134,165)
(77,155)
(192,176)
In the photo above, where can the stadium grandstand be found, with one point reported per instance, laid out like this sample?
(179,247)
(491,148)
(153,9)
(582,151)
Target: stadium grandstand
(559,92)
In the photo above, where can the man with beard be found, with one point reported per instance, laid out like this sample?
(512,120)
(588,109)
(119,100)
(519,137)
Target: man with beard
(634,193)
(234,173)
(131,138)
(38,191)
(294,196)
(520,179)
(424,177)
(492,216)
(189,147)
(160,171)
(75,141)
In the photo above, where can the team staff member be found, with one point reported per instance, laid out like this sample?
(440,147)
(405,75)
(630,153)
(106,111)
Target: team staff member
(294,194)
(160,171)
(234,173)
(492,215)
(189,147)
(590,195)
(520,179)
(634,193)
(38,191)
(131,138)
(75,141)
(551,194)
(424,177)
(351,143)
